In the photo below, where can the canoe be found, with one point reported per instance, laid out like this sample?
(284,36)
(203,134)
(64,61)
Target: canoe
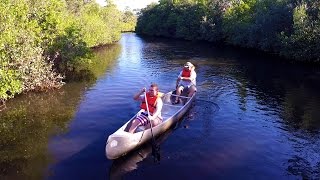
(125,164)
(121,142)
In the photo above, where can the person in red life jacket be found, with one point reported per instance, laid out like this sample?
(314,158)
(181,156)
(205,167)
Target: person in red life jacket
(154,104)
(186,79)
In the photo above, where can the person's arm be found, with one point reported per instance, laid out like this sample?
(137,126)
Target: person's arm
(158,109)
(178,79)
(193,76)
(138,95)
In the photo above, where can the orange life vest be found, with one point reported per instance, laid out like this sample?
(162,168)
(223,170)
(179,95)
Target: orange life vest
(186,73)
(152,102)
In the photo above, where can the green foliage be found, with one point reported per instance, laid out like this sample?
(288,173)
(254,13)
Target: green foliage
(148,20)
(112,18)
(129,21)
(49,16)
(180,21)
(39,38)
(271,19)
(99,25)
(72,50)
(188,24)
(211,24)
(285,27)
(75,6)
(237,21)
(303,44)
(9,84)
(21,52)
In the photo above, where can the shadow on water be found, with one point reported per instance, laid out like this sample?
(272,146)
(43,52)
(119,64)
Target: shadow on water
(93,164)
(124,165)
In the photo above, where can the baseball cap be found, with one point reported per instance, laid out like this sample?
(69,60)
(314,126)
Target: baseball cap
(188,64)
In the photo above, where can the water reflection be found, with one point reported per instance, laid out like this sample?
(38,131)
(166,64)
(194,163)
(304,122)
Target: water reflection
(101,62)
(293,95)
(31,119)
(27,124)
(288,94)
(124,165)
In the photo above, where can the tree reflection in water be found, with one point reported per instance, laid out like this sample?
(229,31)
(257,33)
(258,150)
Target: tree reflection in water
(30,120)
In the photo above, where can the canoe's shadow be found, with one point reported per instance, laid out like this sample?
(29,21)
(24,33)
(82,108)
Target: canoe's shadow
(125,164)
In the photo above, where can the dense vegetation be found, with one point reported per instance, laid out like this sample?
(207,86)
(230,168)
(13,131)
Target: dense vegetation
(42,41)
(290,28)
(129,21)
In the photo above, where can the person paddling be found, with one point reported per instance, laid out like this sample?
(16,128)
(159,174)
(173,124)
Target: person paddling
(186,80)
(154,103)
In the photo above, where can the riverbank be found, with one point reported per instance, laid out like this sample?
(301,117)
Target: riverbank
(288,29)
(45,43)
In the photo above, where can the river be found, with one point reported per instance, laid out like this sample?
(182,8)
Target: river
(254,117)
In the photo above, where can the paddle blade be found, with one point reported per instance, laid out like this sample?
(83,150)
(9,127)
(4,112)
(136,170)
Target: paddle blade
(156,152)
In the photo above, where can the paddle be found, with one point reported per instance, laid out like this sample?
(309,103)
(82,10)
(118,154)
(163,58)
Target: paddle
(155,154)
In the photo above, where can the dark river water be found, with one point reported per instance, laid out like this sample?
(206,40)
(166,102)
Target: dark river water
(254,118)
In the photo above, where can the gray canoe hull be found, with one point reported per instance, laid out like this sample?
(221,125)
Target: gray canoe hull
(121,142)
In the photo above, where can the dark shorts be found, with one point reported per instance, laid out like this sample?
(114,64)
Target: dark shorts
(143,119)
(187,88)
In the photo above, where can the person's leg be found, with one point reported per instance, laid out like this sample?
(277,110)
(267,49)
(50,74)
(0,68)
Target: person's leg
(155,122)
(178,93)
(192,90)
(140,120)
(134,125)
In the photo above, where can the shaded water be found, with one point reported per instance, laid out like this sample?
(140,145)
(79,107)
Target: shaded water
(254,118)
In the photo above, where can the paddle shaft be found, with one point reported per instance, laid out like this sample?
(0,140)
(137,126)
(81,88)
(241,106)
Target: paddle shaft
(145,98)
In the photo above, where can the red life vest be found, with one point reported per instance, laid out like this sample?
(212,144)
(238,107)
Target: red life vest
(152,102)
(186,73)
